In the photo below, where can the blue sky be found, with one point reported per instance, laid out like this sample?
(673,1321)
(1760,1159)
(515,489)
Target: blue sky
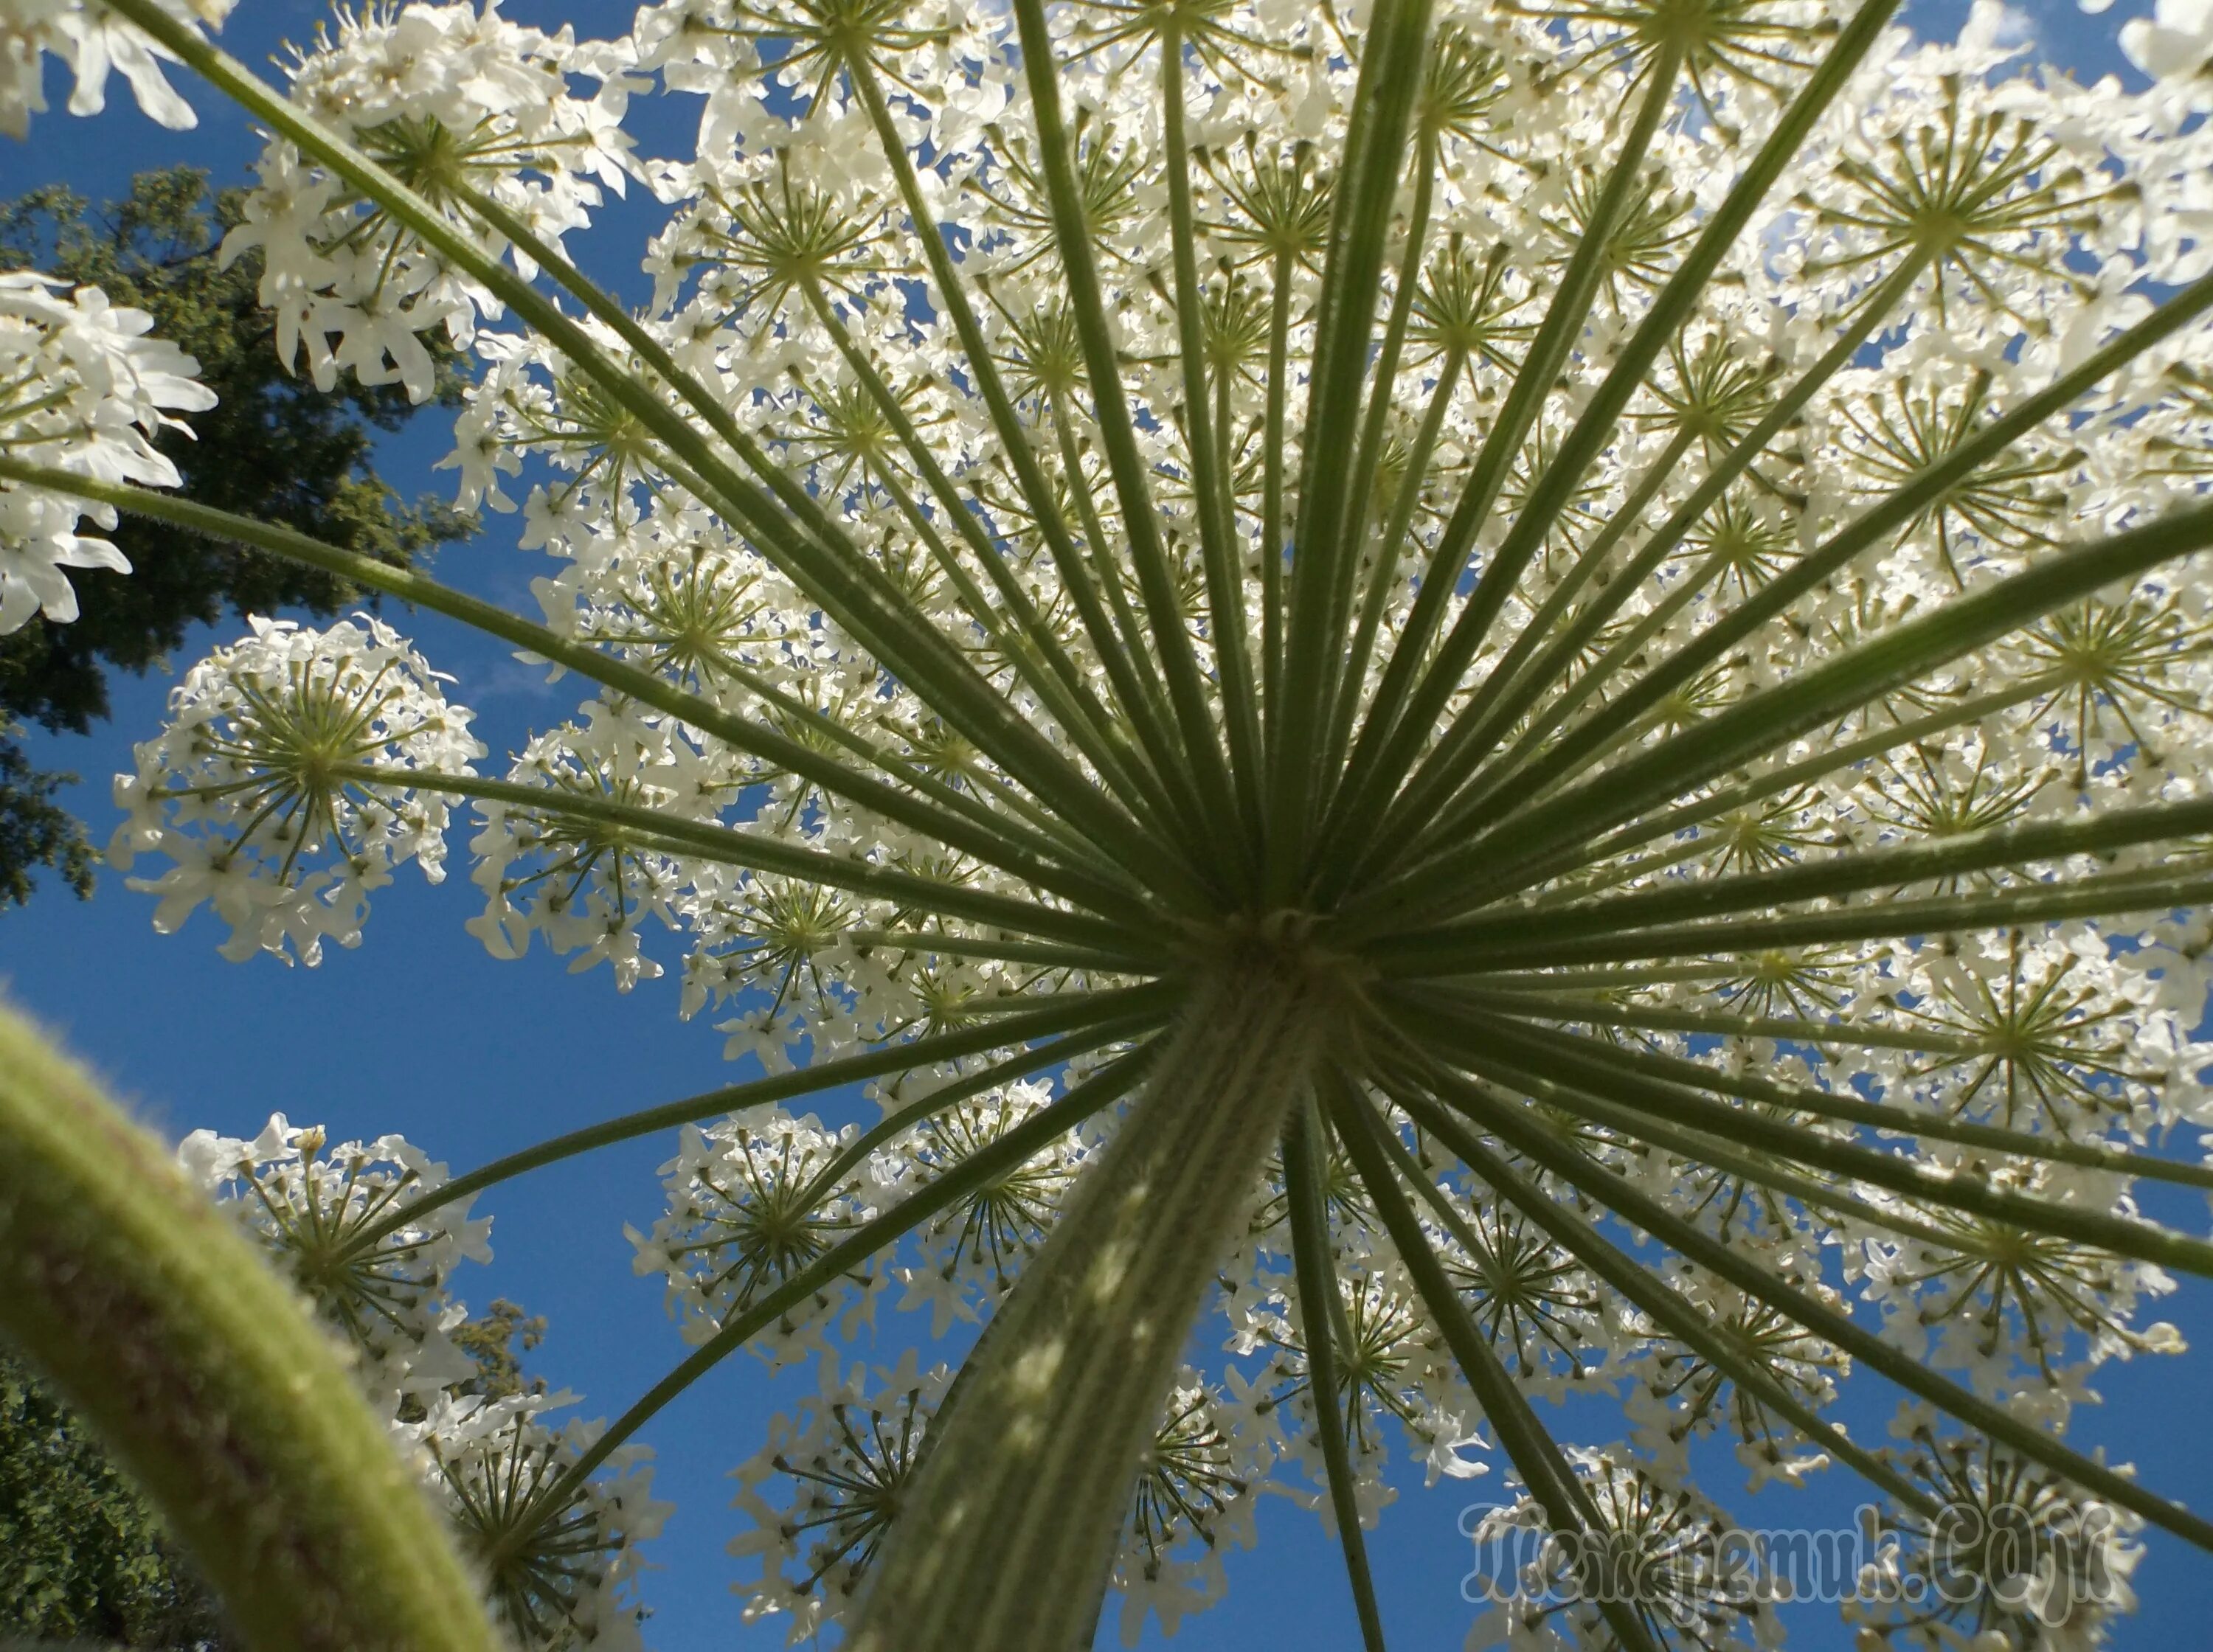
(420,1032)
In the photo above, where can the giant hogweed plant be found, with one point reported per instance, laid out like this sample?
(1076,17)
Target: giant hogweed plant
(1352,652)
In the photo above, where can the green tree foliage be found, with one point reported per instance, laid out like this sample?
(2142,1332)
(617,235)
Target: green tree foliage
(496,1340)
(273,447)
(84,1558)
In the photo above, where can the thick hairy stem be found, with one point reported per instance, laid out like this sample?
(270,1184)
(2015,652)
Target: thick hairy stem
(209,1380)
(1004,1542)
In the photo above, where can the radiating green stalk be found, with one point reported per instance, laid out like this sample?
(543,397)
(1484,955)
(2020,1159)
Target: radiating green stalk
(1536,1456)
(1453,783)
(1891,514)
(979,1169)
(1010,949)
(1049,835)
(1348,675)
(832,572)
(1642,1105)
(1853,872)
(1282,272)
(1850,1035)
(1661,1302)
(1394,732)
(209,1379)
(1514,877)
(1121,1009)
(846,585)
(1577,890)
(1850,1109)
(2152,889)
(1005,1539)
(1371,791)
(1217,529)
(1481,709)
(752,738)
(1383,575)
(1755,1279)
(1159,740)
(1711,1152)
(1760,722)
(1148,554)
(1058,1054)
(849,585)
(1391,71)
(884,620)
(728,846)
(1146,683)
(1061,685)
(1306,1150)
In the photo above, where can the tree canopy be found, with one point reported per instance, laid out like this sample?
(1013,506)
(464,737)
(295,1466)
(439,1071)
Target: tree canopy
(273,447)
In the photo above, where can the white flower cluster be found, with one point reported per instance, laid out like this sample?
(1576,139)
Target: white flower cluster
(936,621)
(2175,46)
(313,1207)
(343,1220)
(753,1200)
(825,1487)
(2013,1557)
(91,40)
(473,113)
(83,389)
(1694,1586)
(259,789)
(570,1579)
(839,1466)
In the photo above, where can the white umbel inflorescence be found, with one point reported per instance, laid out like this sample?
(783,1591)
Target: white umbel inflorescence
(83,389)
(91,40)
(348,1223)
(255,789)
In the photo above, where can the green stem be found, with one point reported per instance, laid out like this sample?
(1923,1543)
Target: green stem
(1856,1035)
(1012,1518)
(1151,701)
(2150,889)
(1905,1121)
(210,1381)
(752,738)
(1282,270)
(1376,144)
(755,852)
(1888,868)
(1452,782)
(1347,674)
(1591,737)
(1225,573)
(1568,1077)
(1700,1147)
(1061,685)
(1395,730)
(831,570)
(1159,738)
(1125,464)
(1516,876)
(847,584)
(1373,791)
(1306,1150)
(1383,575)
(1537,1457)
